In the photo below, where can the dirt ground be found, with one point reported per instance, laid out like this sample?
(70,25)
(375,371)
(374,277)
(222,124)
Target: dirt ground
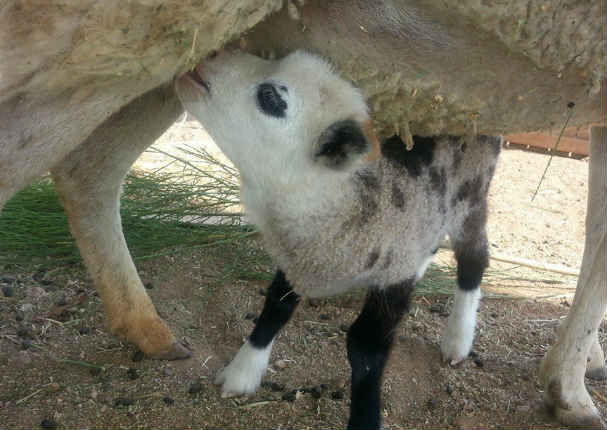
(57,362)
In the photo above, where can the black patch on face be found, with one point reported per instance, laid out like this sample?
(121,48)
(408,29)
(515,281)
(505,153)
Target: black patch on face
(340,143)
(397,197)
(470,190)
(438,180)
(372,258)
(420,156)
(270,101)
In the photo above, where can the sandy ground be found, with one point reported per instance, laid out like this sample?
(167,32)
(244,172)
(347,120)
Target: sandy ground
(57,363)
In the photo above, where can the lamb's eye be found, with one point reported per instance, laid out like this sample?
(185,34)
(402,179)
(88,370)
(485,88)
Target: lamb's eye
(270,100)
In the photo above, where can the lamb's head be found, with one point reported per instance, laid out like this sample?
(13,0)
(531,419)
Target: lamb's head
(293,115)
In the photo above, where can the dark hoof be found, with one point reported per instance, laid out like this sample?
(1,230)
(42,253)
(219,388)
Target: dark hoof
(177,351)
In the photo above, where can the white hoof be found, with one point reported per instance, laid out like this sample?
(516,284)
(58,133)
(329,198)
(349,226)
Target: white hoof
(455,349)
(243,375)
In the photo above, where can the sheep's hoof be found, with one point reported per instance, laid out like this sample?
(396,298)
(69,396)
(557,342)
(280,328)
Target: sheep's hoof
(177,351)
(579,419)
(456,343)
(572,407)
(243,375)
(235,383)
(452,362)
(150,334)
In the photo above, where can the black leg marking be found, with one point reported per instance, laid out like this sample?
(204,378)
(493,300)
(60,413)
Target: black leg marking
(369,341)
(470,269)
(472,250)
(280,303)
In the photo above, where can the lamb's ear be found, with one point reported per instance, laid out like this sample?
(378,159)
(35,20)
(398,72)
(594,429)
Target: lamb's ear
(341,143)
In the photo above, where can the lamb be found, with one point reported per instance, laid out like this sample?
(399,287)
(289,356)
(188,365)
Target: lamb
(338,210)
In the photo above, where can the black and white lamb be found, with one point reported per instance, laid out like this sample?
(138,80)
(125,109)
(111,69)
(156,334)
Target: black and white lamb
(337,210)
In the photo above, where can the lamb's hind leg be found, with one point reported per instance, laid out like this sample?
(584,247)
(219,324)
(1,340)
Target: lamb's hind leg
(369,342)
(243,374)
(562,370)
(471,251)
(88,182)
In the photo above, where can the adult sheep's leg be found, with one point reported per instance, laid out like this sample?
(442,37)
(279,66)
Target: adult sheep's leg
(472,255)
(595,366)
(243,374)
(88,182)
(562,370)
(369,342)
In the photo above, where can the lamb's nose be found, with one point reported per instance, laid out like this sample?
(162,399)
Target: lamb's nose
(212,55)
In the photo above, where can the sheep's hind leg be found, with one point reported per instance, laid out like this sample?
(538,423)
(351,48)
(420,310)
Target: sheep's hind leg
(243,374)
(369,342)
(471,252)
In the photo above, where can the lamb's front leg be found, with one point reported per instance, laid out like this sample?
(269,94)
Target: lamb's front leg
(243,374)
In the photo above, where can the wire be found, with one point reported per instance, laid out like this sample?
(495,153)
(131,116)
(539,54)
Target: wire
(570,107)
